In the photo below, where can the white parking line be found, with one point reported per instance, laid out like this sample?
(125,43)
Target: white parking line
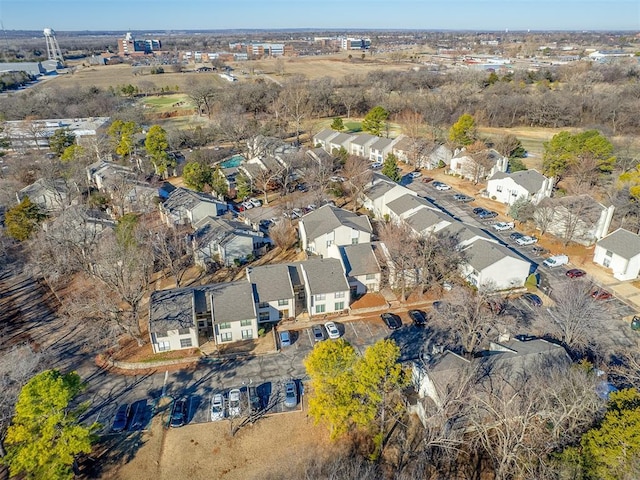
(354,329)
(367,325)
(309,334)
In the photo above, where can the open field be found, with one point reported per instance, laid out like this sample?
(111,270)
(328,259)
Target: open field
(271,447)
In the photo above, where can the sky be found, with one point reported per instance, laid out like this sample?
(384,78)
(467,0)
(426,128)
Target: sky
(473,15)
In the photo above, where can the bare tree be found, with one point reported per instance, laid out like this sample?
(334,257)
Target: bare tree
(296,101)
(358,174)
(349,97)
(171,250)
(576,319)
(578,215)
(544,214)
(317,173)
(480,162)
(203,96)
(283,234)
(401,258)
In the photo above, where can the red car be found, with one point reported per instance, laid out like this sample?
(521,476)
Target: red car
(427,179)
(575,273)
(601,295)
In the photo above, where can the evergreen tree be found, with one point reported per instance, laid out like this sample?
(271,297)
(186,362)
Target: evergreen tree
(374,121)
(390,168)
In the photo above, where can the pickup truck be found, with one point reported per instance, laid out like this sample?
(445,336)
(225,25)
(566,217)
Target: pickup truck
(502,226)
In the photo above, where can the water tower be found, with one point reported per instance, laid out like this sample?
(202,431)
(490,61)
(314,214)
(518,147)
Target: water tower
(53,49)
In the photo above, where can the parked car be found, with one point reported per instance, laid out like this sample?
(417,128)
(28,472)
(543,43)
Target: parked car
(516,235)
(217,407)
(539,250)
(635,323)
(332,330)
(418,317)
(478,210)
(318,334)
(301,187)
(526,240)
(575,273)
(391,320)
(532,299)
(441,186)
(179,413)
(290,394)
(376,165)
(138,413)
(247,205)
(415,174)
(255,202)
(600,294)
(556,261)
(461,197)
(254,399)
(427,179)
(285,339)
(121,419)
(296,213)
(235,402)
(487,214)
(337,179)
(503,226)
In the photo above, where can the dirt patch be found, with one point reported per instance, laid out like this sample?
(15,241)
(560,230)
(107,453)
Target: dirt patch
(369,300)
(274,445)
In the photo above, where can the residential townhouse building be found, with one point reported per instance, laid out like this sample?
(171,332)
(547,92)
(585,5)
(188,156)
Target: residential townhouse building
(526,184)
(492,266)
(188,207)
(361,267)
(620,252)
(479,166)
(380,192)
(331,225)
(51,195)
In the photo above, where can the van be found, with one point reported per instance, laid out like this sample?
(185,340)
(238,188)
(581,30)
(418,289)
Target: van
(556,261)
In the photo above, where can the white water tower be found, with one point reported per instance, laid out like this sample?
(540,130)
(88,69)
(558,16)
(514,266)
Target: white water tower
(53,49)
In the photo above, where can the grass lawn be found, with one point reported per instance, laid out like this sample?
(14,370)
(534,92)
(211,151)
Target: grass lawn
(353,126)
(167,103)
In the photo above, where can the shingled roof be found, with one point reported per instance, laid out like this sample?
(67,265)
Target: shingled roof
(327,218)
(622,242)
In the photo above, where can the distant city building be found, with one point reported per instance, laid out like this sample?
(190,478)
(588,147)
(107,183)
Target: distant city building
(350,43)
(24,134)
(129,46)
(36,69)
(262,49)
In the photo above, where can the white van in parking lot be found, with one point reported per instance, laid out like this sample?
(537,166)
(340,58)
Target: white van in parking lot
(556,261)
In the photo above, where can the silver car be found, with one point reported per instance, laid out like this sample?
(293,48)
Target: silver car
(235,397)
(217,407)
(290,394)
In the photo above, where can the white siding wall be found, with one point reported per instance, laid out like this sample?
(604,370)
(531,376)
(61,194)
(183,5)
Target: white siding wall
(507,273)
(274,308)
(172,341)
(328,304)
(622,268)
(506,190)
(236,330)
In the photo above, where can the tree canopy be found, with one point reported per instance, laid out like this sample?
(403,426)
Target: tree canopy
(45,435)
(243,186)
(196,176)
(121,134)
(463,132)
(23,219)
(569,153)
(157,145)
(337,124)
(60,140)
(374,121)
(350,390)
(390,168)
(73,153)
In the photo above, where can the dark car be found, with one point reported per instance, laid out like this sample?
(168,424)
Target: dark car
(461,197)
(391,320)
(121,418)
(538,249)
(600,294)
(575,273)
(318,333)
(254,399)
(533,299)
(478,210)
(427,179)
(516,235)
(635,323)
(419,317)
(179,413)
(138,413)
(487,214)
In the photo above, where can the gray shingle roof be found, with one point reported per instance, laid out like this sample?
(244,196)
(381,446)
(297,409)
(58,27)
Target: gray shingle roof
(464,232)
(382,143)
(232,302)
(183,198)
(170,310)
(341,138)
(324,275)
(41,186)
(221,231)
(530,180)
(622,242)
(324,135)
(408,202)
(363,139)
(404,144)
(359,259)
(482,254)
(380,184)
(426,218)
(327,218)
(273,282)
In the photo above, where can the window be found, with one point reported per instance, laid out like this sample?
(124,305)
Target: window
(498,188)
(264,316)
(320,308)
(329,243)
(338,295)
(283,303)
(339,306)
(247,334)
(370,276)
(224,326)
(164,346)
(201,324)
(320,296)
(514,194)
(354,241)
(245,323)
(183,331)
(185,343)
(226,337)
(263,305)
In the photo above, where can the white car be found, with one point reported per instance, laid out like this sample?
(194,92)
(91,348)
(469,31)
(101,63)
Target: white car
(415,174)
(556,261)
(247,205)
(442,187)
(255,202)
(217,407)
(502,226)
(376,165)
(234,403)
(332,330)
(526,240)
